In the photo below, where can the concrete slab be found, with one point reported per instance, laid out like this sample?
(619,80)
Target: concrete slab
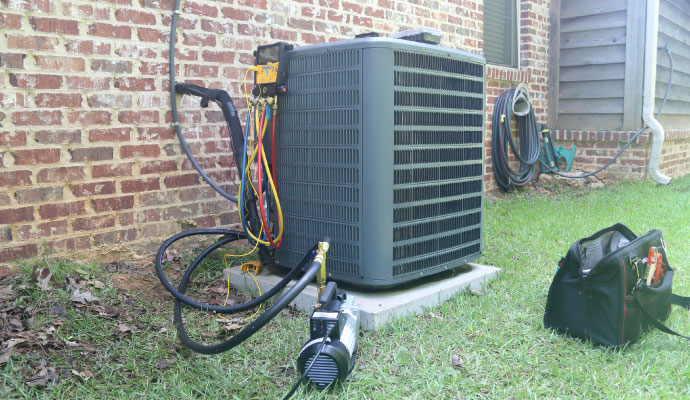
(379,307)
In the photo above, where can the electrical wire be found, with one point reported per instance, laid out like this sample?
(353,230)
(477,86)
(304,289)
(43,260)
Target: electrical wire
(632,138)
(227,271)
(311,364)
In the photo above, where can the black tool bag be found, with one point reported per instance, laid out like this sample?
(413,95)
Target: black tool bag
(599,292)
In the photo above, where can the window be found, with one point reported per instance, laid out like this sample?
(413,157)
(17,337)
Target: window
(501,32)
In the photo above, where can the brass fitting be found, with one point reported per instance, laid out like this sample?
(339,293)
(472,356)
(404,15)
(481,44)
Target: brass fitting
(321,275)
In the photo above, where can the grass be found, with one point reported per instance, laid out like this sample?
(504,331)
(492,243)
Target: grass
(498,337)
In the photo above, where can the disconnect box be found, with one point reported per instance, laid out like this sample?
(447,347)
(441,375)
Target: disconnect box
(381,148)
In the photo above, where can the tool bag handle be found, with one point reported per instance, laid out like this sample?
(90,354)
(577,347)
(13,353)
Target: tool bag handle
(675,299)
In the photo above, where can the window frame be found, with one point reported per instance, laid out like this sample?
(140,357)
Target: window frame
(514,59)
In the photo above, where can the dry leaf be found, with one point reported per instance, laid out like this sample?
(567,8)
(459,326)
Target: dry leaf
(13,342)
(163,364)
(85,375)
(5,357)
(456,360)
(124,330)
(83,298)
(476,293)
(42,277)
(97,284)
(44,376)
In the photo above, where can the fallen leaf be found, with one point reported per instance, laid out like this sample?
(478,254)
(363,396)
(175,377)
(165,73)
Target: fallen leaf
(5,357)
(456,360)
(124,330)
(163,364)
(16,324)
(85,375)
(97,284)
(43,278)
(57,310)
(44,376)
(83,298)
(71,345)
(476,293)
(13,342)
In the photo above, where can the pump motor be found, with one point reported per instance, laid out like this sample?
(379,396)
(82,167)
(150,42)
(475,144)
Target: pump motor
(337,317)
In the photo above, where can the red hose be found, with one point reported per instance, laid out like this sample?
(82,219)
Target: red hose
(259,178)
(273,151)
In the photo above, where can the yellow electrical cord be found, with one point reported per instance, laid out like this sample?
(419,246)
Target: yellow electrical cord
(227,271)
(255,127)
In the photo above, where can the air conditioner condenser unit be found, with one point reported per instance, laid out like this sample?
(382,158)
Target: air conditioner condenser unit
(380,147)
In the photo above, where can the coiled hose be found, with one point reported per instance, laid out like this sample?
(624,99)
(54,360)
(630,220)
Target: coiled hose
(501,136)
(180,298)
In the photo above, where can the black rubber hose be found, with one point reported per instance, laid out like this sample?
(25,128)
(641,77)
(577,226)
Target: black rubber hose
(502,137)
(173,106)
(234,129)
(232,236)
(634,136)
(248,330)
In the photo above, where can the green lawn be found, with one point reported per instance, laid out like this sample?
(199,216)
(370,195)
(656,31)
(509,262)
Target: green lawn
(503,350)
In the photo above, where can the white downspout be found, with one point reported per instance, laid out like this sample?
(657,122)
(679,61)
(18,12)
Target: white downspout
(657,137)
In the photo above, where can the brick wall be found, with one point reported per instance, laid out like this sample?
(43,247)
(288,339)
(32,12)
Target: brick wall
(596,148)
(88,160)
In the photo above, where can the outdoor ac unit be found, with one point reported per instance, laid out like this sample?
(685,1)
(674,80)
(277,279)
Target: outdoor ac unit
(381,149)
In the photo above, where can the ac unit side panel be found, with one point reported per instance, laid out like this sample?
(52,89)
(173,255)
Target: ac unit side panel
(319,158)
(381,148)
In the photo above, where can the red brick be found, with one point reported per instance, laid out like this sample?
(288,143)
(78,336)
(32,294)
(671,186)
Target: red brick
(213,26)
(187,24)
(152,35)
(135,17)
(38,195)
(158,167)
(217,147)
(93,189)
(87,83)
(181,180)
(206,163)
(235,14)
(13,61)
(109,100)
(110,171)
(36,118)
(109,135)
(135,84)
(138,117)
(153,68)
(10,21)
(185,117)
(140,150)
(126,235)
(185,54)
(58,100)
(13,139)
(52,211)
(201,71)
(151,134)
(153,100)
(42,230)
(17,214)
(18,252)
(110,31)
(22,42)
(62,64)
(91,154)
(200,9)
(251,30)
(69,244)
(54,25)
(85,11)
(60,174)
(155,199)
(112,66)
(158,4)
(136,51)
(141,185)
(112,204)
(283,34)
(198,39)
(35,81)
(11,100)
(15,178)
(179,212)
(57,136)
(218,56)
(4,198)
(36,156)
(80,46)
(86,118)
(93,223)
